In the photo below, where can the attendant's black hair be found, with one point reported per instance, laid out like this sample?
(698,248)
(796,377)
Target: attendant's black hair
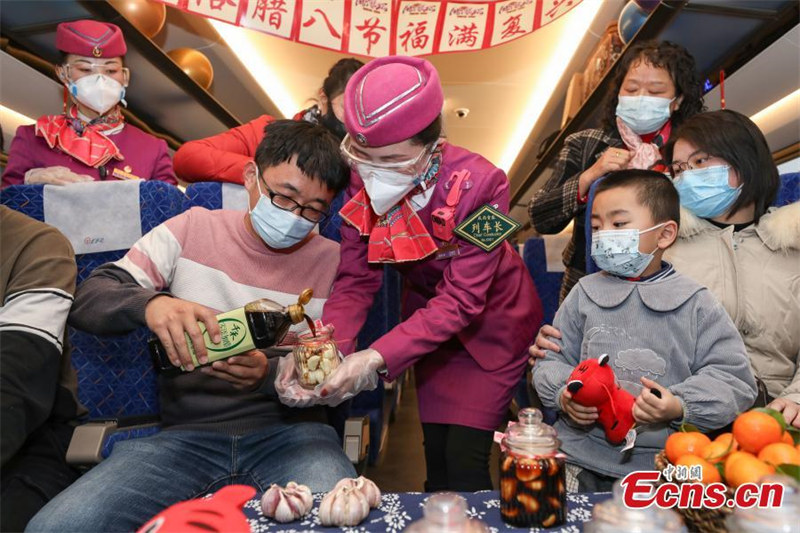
(673,58)
(431,132)
(654,191)
(734,138)
(316,149)
(338,76)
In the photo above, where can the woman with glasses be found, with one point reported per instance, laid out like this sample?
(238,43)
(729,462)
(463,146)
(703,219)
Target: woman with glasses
(90,141)
(470,308)
(746,252)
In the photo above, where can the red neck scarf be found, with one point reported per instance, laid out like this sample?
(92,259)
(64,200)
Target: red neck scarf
(646,148)
(398,236)
(85,141)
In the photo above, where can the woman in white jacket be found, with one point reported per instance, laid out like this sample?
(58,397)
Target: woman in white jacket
(745,252)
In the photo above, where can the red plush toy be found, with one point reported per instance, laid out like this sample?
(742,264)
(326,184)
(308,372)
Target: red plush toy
(593,384)
(222,512)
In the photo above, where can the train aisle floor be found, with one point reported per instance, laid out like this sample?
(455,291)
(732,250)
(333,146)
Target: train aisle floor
(401,465)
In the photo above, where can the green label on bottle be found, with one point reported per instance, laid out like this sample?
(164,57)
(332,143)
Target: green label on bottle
(234,333)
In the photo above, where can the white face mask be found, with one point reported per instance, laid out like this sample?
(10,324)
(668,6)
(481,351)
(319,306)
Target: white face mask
(385,188)
(617,251)
(98,92)
(278,228)
(644,114)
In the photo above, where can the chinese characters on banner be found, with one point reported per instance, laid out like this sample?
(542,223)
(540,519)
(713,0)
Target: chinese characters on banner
(370,21)
(464,27)
(322,23)
(552,9)
(416,27)
(270,16)
(378,28)
(224,10)
(512,19)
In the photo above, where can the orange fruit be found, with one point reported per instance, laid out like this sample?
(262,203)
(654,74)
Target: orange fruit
(726,439)
(787,438)
(743,467)
(682,443)
(715,452)
(754,429)
(710,472)
(779,453)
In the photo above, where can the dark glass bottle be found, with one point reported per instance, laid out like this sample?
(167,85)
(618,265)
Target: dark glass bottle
(258,325)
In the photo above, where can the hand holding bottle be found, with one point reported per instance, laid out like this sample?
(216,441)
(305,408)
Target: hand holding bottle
(169,318)
(245,372)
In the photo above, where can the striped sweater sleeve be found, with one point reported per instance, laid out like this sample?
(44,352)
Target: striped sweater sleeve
(33,316)
(113,299)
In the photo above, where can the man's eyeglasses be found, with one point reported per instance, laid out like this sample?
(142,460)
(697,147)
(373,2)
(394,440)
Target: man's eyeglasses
(697,160)
(287,204)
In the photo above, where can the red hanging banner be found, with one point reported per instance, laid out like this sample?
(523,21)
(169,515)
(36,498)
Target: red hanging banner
(377,28)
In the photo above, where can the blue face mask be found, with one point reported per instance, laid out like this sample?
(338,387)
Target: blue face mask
(617,251)
(278,228)
(705,191)
(644,114)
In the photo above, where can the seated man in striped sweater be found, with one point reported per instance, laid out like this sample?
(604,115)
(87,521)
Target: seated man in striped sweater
(223,423)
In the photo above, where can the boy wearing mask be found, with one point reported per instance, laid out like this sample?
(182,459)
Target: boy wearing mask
(668,339)
(222,424)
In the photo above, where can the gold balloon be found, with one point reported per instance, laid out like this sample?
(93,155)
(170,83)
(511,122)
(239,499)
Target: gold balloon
(194,64)
(148,17)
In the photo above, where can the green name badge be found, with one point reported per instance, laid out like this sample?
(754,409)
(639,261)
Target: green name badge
(487,228)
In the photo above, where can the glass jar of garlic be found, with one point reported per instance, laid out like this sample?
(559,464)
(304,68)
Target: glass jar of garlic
(316,356)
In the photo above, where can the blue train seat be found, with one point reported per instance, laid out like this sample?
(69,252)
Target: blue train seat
(120,391)
(789,191)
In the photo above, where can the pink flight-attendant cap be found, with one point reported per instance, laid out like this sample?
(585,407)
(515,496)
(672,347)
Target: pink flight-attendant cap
(90,38)
(391,99)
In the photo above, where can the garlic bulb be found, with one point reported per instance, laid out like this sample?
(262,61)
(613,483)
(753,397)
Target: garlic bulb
(343,506)
(286,504)
(365,486)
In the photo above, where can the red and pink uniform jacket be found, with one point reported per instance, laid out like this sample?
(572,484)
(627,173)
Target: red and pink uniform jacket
(478,302)
(146,157)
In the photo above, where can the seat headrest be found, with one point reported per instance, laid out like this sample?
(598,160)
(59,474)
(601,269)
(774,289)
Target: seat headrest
(96,216)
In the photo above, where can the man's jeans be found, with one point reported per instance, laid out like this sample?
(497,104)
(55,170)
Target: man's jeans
(143,476)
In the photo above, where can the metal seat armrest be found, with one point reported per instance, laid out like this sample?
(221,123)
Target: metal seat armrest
(356,439)
(88,439)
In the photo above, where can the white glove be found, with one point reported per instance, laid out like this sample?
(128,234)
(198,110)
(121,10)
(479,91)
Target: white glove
(55,176)
(358,372)
(289,390)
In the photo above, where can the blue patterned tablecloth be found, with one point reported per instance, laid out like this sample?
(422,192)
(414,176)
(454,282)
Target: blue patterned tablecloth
(398,510)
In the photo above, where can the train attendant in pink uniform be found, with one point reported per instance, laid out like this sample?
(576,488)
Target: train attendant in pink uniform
(90,140)
(437,213)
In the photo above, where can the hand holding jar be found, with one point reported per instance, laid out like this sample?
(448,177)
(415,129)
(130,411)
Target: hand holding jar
(358,372)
